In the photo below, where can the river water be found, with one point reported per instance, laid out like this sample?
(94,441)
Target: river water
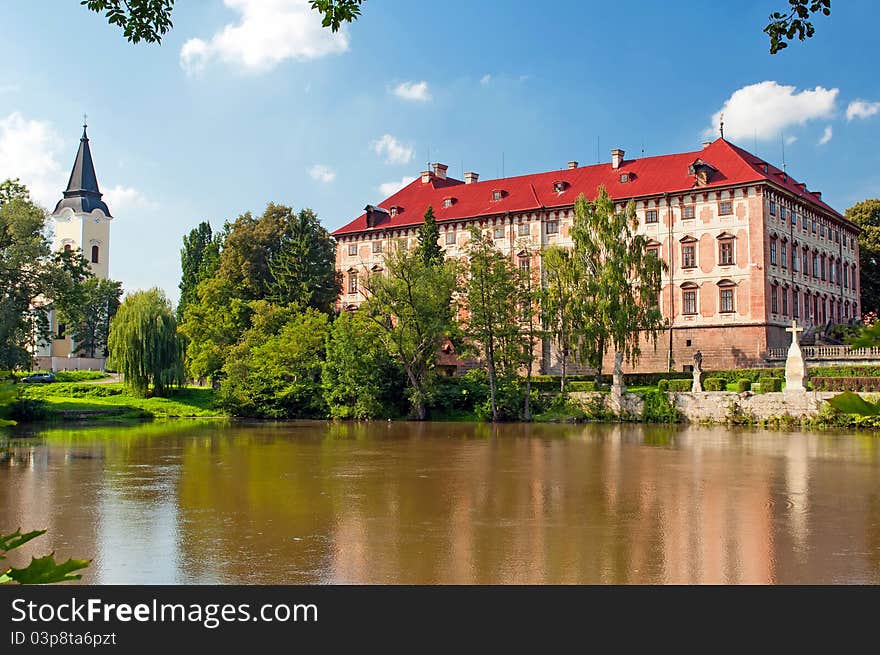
(312,502)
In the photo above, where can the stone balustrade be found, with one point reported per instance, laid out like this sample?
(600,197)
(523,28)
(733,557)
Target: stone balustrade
(828,353)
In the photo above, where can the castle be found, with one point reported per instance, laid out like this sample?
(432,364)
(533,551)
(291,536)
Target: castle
(748,247)
(81,220)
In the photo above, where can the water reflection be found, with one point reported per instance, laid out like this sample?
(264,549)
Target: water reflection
(448,503)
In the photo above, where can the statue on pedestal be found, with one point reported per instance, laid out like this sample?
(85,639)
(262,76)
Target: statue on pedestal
(697,386)
(617,386)
(795,367)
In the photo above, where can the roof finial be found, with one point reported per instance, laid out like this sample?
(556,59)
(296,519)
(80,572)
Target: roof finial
(85,125)
(722,125)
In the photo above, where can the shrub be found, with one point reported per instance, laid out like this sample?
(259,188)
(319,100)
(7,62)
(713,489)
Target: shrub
(743,385)
(846,384)
(587,386)
(681,385)
(663,386)
(658,408)
(770,385)
(24,410)
(715,384)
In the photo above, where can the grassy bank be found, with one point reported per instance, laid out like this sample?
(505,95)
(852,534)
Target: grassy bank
(82,401)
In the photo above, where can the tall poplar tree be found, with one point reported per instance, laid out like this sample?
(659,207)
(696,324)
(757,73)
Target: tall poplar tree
(620,281)
(429,240)
(491,298)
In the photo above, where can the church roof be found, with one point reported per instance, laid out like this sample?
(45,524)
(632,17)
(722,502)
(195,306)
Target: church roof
(645,177)
(82,194)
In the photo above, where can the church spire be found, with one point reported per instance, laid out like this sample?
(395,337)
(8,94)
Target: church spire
(82,193)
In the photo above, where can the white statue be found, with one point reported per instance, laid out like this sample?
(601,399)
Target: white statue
(697,386)
(795,367)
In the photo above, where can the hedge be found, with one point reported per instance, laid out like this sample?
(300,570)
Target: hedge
(743,385)
(715,384)
(770,385)
(586,386)
(846,384)
(675,385)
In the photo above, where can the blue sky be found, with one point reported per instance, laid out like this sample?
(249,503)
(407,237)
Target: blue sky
(249,101)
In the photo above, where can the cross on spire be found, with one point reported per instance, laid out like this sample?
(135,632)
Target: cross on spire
(722,125)
(794,329)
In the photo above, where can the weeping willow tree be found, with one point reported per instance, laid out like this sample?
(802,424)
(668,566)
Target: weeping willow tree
(144,344)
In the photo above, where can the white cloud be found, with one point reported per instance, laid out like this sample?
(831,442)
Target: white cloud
(766,109)
(322,173)
(29,151)
(390,188)
(267,33)
(415,91)
(121,199)
(393,150)
(826,135)
(485,79)
(790,140)
(861,109)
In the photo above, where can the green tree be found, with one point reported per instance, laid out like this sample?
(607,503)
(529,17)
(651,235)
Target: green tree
(620,281)
(528,289)
(786,25)
(429,240)
(359,377)
(560,302)
(412,304)
(144,345)
(150,20)
(491,301)
(199,259)
(274,371)
(89,320)
(33,280)
(212,325)
(304,269)
(866,214)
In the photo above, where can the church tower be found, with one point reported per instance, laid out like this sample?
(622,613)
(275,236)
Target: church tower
(81,221)
(81,218)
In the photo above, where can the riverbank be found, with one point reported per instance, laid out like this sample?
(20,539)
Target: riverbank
(72,401)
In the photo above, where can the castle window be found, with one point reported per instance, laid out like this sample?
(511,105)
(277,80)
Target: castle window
(725,249)
(773,252)
(62,331)
(653,251)
(822,267)
(689,299)
(688,255)
(795,260)
(447,202)
(805,258)
(725,208)
(782,213)
(450,238)
(688,211)
(793,219)
(846,276)
(783,254)
(795,303)
(813,222)
(377,246)
(95,252)
(773,208)
(559,187)
(352,249)
(725,296)
(651,216)
(524,263)
(815,265)
(624,178)
(523,229)
(498,232)
(774,299)
(552,227)
(497,194)
(352,282)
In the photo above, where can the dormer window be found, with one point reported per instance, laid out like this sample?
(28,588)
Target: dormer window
(447,202)
(559,186)
(701,171)
(497,194)
(624,178)
(394,211)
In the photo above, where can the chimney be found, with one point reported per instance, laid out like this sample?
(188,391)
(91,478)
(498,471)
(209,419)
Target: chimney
(616,157)
(470,177)
(818,195)
(440,171)
(706,144)
(572,164)
(426,177)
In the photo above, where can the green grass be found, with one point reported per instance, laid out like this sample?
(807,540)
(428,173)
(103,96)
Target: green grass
(113,399)
(69,376)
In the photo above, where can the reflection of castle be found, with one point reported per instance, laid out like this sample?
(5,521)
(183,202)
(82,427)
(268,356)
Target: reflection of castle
(81,221)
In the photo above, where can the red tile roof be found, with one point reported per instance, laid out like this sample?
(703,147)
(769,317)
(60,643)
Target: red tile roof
(647,177)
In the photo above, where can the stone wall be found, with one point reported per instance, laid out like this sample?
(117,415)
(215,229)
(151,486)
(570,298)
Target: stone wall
(718,406)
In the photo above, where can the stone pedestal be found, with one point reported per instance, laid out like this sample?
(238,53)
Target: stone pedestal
(795,366)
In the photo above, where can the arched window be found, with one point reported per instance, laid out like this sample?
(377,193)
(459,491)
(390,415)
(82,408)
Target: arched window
(95,253)
(66,247)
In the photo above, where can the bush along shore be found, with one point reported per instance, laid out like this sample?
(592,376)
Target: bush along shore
(650,398)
